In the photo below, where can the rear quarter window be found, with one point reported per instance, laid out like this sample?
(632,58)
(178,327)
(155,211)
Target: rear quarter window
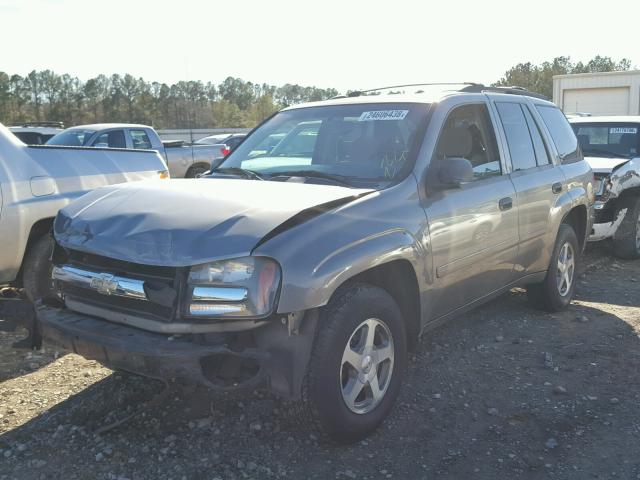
(561,133)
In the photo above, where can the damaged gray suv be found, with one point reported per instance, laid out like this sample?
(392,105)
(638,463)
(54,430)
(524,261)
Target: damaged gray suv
(334,235)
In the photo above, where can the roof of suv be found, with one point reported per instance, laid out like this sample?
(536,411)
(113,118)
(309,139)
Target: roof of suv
(425,93)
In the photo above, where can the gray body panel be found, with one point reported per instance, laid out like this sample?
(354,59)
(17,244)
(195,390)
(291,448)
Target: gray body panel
(143,224)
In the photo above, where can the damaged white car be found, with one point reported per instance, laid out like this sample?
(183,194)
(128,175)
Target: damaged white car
(611,145)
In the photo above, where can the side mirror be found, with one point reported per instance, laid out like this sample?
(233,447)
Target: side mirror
(454,171)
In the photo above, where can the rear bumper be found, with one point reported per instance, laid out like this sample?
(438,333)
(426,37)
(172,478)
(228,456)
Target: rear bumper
(145,353)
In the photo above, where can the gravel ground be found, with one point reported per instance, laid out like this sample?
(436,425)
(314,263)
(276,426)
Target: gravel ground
(502,392)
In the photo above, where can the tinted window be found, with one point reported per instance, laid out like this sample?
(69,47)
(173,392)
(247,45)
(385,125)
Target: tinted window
(518,138)
(113,139)
(542,156)
(561,133)
(608,139)
(140,140)
(468,133)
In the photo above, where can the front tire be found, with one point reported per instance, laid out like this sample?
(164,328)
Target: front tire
(36,270)
(556,291)
(357,364)
(626,241)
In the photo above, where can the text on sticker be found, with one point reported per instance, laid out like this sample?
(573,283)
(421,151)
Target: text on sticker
(383,115)
(623,130)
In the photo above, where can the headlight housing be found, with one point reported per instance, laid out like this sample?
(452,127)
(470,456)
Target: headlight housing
(241,287)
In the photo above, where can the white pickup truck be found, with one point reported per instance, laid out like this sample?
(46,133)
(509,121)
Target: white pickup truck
(183,159)
(36,181)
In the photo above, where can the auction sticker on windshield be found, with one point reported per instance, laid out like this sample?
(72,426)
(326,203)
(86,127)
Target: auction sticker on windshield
(623,130)
(383,115)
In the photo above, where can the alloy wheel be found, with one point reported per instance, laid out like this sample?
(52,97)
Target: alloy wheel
(367,366)
(566,269)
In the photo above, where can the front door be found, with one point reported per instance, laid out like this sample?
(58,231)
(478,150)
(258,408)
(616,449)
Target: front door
(473,228)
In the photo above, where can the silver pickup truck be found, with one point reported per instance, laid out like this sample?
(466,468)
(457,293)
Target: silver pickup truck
(184,160)
(313,263)
(35,182)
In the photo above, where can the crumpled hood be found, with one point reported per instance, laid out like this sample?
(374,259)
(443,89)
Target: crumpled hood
(604,165)
(186,222)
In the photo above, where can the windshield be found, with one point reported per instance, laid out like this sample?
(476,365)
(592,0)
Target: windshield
(608,139)
(358,145)
(76,137)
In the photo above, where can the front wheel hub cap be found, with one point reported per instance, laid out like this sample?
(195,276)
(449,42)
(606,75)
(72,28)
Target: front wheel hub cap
(367,366)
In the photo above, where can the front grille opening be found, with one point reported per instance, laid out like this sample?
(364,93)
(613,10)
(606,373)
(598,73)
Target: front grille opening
(228,370)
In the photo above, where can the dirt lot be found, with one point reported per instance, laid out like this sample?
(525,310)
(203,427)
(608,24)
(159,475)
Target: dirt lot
(503,392)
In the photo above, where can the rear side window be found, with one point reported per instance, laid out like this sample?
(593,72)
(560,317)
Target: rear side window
(542,156)
(140,140)
(561,133)
(518,138)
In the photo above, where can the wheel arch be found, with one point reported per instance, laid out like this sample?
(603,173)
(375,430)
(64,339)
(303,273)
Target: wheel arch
(189,172)
(578,219)
(38,230)
(399,279)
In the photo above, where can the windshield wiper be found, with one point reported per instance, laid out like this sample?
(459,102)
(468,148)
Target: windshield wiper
(337,179)
(238,171)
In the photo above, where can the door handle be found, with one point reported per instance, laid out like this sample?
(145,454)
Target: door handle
(505,203)
(556,187)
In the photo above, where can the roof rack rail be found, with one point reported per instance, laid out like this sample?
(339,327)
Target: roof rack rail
(468,87)
(357,93)
(512,90)
(39,124)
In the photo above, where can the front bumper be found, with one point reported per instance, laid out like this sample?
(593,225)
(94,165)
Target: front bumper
(144,353)
(270,355)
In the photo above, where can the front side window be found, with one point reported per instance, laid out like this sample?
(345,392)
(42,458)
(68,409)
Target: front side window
(140,140)
(468,133)
(610,139)
(358,144)
(518,138)
(112,139)
(561,133)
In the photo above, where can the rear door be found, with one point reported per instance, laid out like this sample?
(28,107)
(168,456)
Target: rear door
(474,228)
(538,182)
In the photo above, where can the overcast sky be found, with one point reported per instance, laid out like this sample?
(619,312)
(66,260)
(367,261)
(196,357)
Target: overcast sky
(328,43)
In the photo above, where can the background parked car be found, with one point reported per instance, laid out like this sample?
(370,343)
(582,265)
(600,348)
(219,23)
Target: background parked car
(611,145)
(231,140)
(36,133)
(184,160)
(36,181)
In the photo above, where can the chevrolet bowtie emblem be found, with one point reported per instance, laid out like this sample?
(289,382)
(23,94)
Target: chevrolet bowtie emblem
(104,283)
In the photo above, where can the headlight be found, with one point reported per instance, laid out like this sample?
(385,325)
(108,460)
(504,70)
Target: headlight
(241,287)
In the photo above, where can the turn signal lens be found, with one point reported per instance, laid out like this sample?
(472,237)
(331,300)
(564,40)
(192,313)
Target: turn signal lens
(164,174)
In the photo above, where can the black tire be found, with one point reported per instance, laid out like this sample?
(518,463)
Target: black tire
(547,295)
(36,270)
(322,396)
(626,241)
(196,170)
